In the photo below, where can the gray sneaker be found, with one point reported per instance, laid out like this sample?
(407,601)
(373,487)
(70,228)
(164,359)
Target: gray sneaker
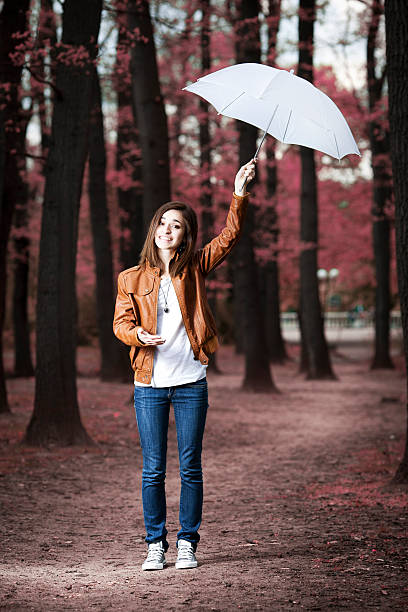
(186,558)
(155,559)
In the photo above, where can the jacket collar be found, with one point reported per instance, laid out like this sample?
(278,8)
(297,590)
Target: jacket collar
(152,270)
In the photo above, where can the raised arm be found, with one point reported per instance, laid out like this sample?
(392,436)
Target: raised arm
(213,253)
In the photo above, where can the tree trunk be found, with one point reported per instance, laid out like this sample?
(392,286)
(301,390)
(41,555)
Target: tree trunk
(206,194)
(270,272)
(56,417)
(180,99)
(382,254)
(318,358)
(274,339)
(396,26)
(128,159)
(246,287)
(114,361)
(382,192)
(46,41)
(13,19)
(149,106)
(46,37)
(23,365)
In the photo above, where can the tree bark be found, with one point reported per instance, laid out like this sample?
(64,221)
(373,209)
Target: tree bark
(382,192)
(206,194)
(270,273)
(396,26)
(128,158)
(318,358)
(114,361)
(46,36)
(46,40)
(149,106)
(23,365)
(56,417)
(13,19)
(257,375)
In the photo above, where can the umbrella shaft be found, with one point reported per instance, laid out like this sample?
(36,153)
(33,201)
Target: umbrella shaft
(265,132)
(260,144)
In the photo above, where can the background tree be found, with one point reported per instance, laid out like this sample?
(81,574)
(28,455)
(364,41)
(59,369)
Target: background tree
(382,191)
(149,107)
(315,348)
(23,365)
(38,63)
(270,270)
(246,288)
(396,23)
(13,21)
(206,195)
(56,415)
(128,155)
(114,362)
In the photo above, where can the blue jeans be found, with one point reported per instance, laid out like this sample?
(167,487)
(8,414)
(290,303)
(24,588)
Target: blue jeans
(152,406)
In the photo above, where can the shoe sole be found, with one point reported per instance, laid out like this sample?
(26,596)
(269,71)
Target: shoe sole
(187,565)
(156,567)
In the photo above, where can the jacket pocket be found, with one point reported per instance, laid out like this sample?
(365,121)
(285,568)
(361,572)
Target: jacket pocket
(141,286)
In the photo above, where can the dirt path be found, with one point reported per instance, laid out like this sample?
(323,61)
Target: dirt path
(295,512)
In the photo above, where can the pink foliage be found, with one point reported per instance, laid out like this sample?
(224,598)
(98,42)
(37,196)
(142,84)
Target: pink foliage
(345,193)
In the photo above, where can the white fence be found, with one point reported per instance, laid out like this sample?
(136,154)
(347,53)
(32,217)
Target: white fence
(344,319)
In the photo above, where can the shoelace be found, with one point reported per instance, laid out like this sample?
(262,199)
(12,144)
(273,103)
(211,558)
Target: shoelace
(185,551)
(155,553)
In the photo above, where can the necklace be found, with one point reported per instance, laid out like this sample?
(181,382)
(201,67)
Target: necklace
(165,296)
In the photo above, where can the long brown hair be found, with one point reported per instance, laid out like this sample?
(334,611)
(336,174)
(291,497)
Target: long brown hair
(186,249)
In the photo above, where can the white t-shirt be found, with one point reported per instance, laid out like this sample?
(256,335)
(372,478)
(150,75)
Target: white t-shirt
(174,362)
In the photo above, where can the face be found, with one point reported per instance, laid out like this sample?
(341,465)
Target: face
(170,231)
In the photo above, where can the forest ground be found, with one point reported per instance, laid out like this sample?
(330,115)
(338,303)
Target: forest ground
(297,514)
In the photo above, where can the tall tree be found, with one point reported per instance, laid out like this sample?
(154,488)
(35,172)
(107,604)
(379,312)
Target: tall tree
(149,107)
(23,365)
(13,21)
(114,361)
(382,192)
(40,56)
(396,26)
(316,351)
(128,157)
(258,375)
(56,415)
(270,271)
(206,195)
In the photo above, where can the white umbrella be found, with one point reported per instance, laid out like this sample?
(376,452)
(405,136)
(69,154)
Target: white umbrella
(282,104)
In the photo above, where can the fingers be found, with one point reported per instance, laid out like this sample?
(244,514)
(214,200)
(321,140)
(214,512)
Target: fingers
(249,170)
(150,339)
(155,342)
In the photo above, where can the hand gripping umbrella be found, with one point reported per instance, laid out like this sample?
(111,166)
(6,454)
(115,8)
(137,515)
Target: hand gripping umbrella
(284,105)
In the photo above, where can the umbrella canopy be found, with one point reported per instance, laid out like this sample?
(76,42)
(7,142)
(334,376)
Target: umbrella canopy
(282,104)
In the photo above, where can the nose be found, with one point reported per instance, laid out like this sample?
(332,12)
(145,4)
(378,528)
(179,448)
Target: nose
(168,229)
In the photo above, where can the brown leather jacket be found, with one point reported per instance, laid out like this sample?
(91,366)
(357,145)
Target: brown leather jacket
(138,290)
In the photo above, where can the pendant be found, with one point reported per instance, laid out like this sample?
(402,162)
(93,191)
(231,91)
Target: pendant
(166,309)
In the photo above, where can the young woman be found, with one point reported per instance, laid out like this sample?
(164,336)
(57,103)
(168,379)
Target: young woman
(163,314)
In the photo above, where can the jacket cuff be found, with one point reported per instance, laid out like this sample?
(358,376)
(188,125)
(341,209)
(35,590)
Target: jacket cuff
(245,195)
(139,342)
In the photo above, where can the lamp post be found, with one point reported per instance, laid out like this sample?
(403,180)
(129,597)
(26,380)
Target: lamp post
(326,278)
